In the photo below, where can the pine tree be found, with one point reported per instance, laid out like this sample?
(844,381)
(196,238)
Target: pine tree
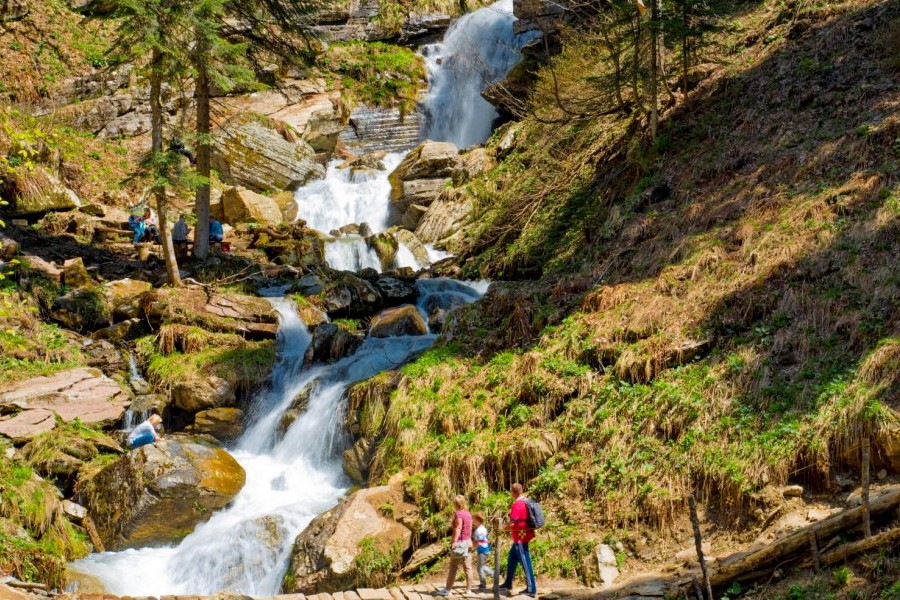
(155,28)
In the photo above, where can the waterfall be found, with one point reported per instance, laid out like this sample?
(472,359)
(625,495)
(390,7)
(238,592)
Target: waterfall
(245,548)
(343,198)
(478,50)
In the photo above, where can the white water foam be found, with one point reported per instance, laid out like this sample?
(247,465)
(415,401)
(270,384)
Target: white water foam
(245,548)
(341,198)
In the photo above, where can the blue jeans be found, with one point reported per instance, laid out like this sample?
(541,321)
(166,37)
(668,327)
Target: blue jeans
(519,555)
(142,440)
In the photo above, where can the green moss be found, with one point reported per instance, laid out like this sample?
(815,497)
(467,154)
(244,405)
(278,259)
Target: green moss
(377,74)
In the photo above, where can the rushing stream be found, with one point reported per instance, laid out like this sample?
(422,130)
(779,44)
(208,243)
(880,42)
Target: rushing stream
(245,548)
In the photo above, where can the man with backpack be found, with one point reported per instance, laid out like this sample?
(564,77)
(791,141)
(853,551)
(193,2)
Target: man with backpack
(525,515)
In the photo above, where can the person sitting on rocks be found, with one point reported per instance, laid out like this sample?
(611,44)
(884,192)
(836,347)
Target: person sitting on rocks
(151,230)
(145,433)
(216,233)
(137,226)
(180,238)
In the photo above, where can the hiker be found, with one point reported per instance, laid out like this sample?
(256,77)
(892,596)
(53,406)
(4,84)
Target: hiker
(483,550)
(151,231)
(180,238)
(136,224)
(178,147)
(521,535)
(460,544)
(216,233)
(145,433)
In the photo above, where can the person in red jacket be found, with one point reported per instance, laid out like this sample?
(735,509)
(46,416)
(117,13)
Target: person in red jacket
(521,535)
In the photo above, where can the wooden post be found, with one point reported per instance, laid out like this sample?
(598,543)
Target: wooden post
(866,512)
(814,549)
(698,541)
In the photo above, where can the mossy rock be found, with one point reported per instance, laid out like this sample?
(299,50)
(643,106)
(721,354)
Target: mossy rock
(159,493)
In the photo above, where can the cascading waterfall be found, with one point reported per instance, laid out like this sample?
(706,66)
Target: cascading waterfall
(291,479)
(478,50)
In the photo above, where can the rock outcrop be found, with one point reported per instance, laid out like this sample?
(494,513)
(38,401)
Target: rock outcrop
(224,424)
(158,493)
(35,192)
(249,316)
(83,393)
(240,205)
(249,151)
(331,342)
(323,558)
(418,180)
(444,217)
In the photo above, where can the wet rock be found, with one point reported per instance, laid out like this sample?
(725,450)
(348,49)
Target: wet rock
(203,394)
(331,342)
(249,151)
(287,204)
(373,160)
(351,295)
(394,291)
(365,230)
(145,405)
(401,320)
(224,424)
(413,244)
(385,246)
(311,315)
(357,459)
(158,493)
(309,285)
(438,306)
(323,556)
(240,205)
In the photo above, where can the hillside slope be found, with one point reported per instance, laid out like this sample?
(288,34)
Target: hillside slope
(716,311)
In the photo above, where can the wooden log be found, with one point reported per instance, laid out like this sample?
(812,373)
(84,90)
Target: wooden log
(698,542)
(793,544)
(853,548)
(866,458)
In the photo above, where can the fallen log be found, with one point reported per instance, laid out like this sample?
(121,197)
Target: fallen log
(853,548)
(795,545)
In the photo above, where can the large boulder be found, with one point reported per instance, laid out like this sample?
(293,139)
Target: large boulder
(250,151)
(394,291)
(240,205)
(200,394)
(330,342)
(401,320)
(36,191)
(224,424)
(223,312)
(158,493)
(419,178)
(83,393)
(446,216)
(350,295)
(324,555)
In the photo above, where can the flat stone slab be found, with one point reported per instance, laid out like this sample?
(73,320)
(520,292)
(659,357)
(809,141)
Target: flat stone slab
(28,424)
(373,594)
(82,393)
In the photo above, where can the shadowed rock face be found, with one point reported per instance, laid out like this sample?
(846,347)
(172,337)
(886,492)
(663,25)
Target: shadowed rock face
(159,493)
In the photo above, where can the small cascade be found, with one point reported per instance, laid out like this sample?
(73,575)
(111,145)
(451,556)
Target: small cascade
(477,51)
(135,416)
(245,548)
(342,198)
(351,253)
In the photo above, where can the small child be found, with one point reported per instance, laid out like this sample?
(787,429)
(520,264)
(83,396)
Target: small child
(483,549)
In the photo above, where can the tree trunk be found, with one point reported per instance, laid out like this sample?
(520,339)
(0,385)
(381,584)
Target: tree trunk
(159,191)
(201,205)
(685,47)
(654,68)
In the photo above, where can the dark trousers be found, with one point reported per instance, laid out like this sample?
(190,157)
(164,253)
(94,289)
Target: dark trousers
(519,555)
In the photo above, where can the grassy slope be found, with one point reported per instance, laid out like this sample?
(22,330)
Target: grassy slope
(776,249)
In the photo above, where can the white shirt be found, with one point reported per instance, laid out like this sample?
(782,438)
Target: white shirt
(140,430)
